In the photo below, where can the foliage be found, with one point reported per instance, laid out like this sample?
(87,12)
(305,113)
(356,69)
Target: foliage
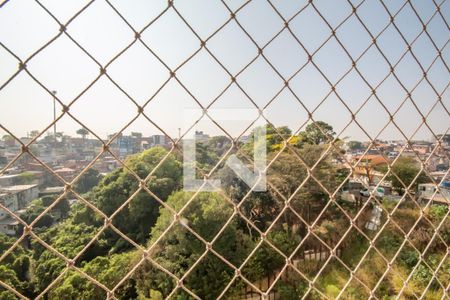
(68,239)
(83,132)
(219,144)
(286,291)
(15,269)
(87,181)
(288,172)
(37,206)
(7,138)
(34,210)
(204,156)
(409,258)
(316,133)
(355,145)
(136,218)
(263,263)
(62,205)
(177,250)
(275,137)
(422,275)
(406,168)
(437,212)
(332,290)
(108,270)
(27,177)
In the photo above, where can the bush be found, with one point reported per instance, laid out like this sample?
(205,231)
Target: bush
(437,212)
(287,292)
(389,241)
(422,275)
(332,290)
(291,290)
(409,258)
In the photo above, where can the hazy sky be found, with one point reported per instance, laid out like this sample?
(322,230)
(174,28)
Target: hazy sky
(62,66)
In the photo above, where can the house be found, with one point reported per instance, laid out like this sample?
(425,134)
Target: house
(52,191)
(367,168)
(9,225)
(22,178)
(66,173)
(427,192)
(421,148)
(17,197)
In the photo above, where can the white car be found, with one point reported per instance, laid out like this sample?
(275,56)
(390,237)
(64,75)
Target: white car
(378,192)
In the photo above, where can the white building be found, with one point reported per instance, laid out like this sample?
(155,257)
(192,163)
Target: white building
(9,226)
(427,192)
(200,136)
(17,197)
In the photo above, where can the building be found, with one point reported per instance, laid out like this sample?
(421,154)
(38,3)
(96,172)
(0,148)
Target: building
(8,180)
(427,192)
(200,136)
(367,168)
(66,173)
(51,191)
(9,225)
(445,139)
(421,148)
(35,177)
(159,140)
(17,197)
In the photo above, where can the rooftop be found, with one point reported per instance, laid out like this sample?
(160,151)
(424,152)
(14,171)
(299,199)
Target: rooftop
(18,188)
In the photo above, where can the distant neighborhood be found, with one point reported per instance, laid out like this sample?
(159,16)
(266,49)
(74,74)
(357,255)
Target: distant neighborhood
(26,179)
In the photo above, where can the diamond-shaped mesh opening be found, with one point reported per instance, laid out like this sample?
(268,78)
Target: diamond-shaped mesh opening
(353,97)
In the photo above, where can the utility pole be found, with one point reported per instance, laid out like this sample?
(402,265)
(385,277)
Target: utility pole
(54,125)
(54,114)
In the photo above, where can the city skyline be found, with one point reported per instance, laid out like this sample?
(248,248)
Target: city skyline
(30,135)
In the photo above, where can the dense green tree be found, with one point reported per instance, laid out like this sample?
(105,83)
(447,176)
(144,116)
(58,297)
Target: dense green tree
(34,210)
(83,132)
(87,181)
(178,249)
(37,206)
(355,145)
(136,218)
(260,207)
(317,133)
(205,157)
(289,170)
(219,144)
(286,175)
(62,206)
(275,137)
(9,277)
(108,270)
(15,269)
(406,168)
(68,239)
